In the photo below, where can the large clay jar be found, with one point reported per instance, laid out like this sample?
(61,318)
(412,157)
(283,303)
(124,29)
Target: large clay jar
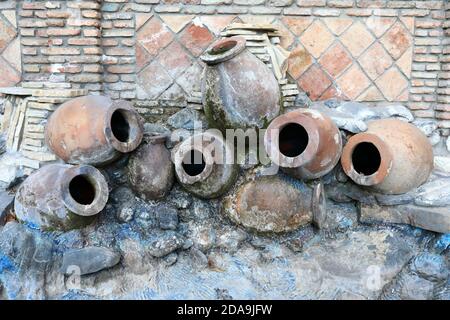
(274,203)
(305,143)
(204,165)
(61,197)
(238,89)
(93,130)
(150,169)
(391,157)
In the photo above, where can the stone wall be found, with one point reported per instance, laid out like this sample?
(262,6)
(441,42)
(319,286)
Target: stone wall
(148,50)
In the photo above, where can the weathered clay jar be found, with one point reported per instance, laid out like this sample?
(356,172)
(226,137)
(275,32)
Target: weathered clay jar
(305,143)
(93,130)
(239,90)
(150,169)
(272,204)
(61,197)
(203,166)
(391,157)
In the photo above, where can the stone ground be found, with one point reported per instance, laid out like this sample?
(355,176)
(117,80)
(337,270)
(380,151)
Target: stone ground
(184,248)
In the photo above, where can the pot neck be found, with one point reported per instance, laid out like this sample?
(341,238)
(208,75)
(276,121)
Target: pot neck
(367,159)
(292,140)
(223,50)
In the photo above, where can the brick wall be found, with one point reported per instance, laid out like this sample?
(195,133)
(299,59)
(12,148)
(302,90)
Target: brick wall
(61,44)
(148,51)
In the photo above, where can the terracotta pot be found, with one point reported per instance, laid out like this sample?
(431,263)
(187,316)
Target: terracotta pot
(61,197)
(93,130)
(272,203)
(150,169)
(202,166)
(391,157)
(305,143)
(239,90)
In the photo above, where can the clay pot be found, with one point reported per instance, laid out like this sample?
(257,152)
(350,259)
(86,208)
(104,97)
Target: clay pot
(391,157)
(150,169)
(239,90)
(93,130)
(272,204)
(305,143)
(203,167)
(61,197)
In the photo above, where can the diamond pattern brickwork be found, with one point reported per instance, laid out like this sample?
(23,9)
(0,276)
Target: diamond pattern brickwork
(10,56)
(351,58)
(167,53)
(364,59)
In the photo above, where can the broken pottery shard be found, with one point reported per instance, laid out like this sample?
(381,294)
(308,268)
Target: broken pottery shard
(342,120)
(150,169)
(239,90)
(434,194)
(61,197)
(357,110)
(93,130)
(396,199)
(270,204)
(363,112)
(305,143)
(435,219)
(391,157)
(88,260)
(393,111)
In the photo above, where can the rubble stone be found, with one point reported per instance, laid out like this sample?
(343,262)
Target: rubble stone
(163,243)
(89,260)
(436,219)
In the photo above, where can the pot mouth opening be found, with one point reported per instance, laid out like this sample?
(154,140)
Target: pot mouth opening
(293,140)
(366,158)
(123,129)
(120,125)
(222,47)
(193,163)
(82,189)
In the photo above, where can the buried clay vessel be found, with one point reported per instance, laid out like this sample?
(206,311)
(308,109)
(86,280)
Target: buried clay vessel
(61,197)
(391,157)
(305,143)
(93,130)
(238,89)
(150,169)
(204,165)
(273,203)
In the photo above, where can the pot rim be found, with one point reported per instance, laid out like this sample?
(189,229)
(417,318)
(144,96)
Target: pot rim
(237,44)
(96,179)
(181,152)
(386,159)
(136,127)
(271,139)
